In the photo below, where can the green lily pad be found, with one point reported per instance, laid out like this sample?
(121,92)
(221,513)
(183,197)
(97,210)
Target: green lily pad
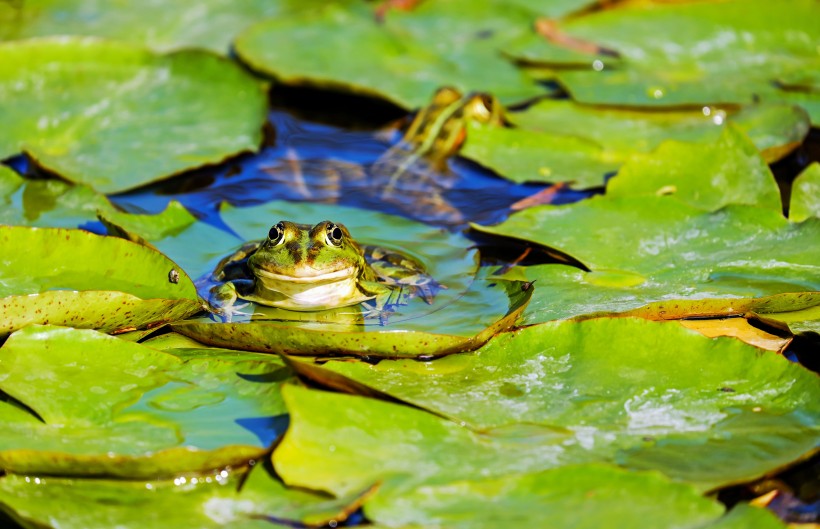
(123,409)
(210,24)
(584,496)
(208,501)
(76,278)
(745,516)
(133,117)
(775,129)
(626,390)
(695,53)
(47,203)
(805,201)
(595,142)
(727,171)
(403,59)
(656,250)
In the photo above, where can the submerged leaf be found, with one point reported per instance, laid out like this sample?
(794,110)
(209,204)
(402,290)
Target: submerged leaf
(123,409)
(115,117)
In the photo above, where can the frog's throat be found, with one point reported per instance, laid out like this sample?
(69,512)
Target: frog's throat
(334,289)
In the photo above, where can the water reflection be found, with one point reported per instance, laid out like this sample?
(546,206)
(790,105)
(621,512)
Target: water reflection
(305,161)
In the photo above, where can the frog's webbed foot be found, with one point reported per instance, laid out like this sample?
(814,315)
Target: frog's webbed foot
(373,310)
(226,314)
(222,300)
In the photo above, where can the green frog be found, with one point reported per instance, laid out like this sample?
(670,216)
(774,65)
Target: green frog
(310,268)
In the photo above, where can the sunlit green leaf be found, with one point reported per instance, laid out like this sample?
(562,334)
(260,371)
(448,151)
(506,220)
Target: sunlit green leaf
(695,53)
(207,501)
(210,24)
(403,59)
(585,496)
(76,278)
(114,116)
(110,407)
(659,251)
(625,390)
(727,171)
(805,202)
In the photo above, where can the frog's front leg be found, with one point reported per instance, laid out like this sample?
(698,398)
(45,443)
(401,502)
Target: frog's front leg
(381,306)
(222,298)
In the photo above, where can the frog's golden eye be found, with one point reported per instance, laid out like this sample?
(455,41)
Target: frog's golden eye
(334,235)
(276,235)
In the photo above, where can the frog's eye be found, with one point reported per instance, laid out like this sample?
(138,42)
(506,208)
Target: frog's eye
(277,234)
(334,235)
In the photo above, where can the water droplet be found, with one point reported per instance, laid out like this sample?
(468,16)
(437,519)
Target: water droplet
(707,111)
(597,65)
(149,486)
(655,92)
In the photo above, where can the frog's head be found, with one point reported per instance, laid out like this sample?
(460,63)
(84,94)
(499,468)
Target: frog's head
(301,253)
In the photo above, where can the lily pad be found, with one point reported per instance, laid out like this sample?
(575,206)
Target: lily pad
(76,278)
(805,201)
(584,496)
(208,501)
(624,390)
(210,24)
(775,129)
(123,409)
(726,171)
(668,257)
(695,53)
(131,117)
(403,59)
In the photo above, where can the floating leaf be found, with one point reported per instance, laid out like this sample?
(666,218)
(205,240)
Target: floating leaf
(403,59)
(203,501)
(680,260)
(584,496)
(115,117)
(111,407)
(624,390)
(741,329)
(728,171)
(76,278)
(210,24)
(695,53)
(805,202)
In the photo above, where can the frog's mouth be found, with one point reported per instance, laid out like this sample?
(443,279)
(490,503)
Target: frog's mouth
(321,291)
(316,278)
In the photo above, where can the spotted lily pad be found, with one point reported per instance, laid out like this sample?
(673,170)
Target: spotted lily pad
(805,202)
(210,24)
(115,116)
(659,258)
(124,409)
(404,58)
(76,278)
(209,501)
(643,394)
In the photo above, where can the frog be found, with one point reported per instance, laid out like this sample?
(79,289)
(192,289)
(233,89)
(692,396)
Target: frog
(303,267)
